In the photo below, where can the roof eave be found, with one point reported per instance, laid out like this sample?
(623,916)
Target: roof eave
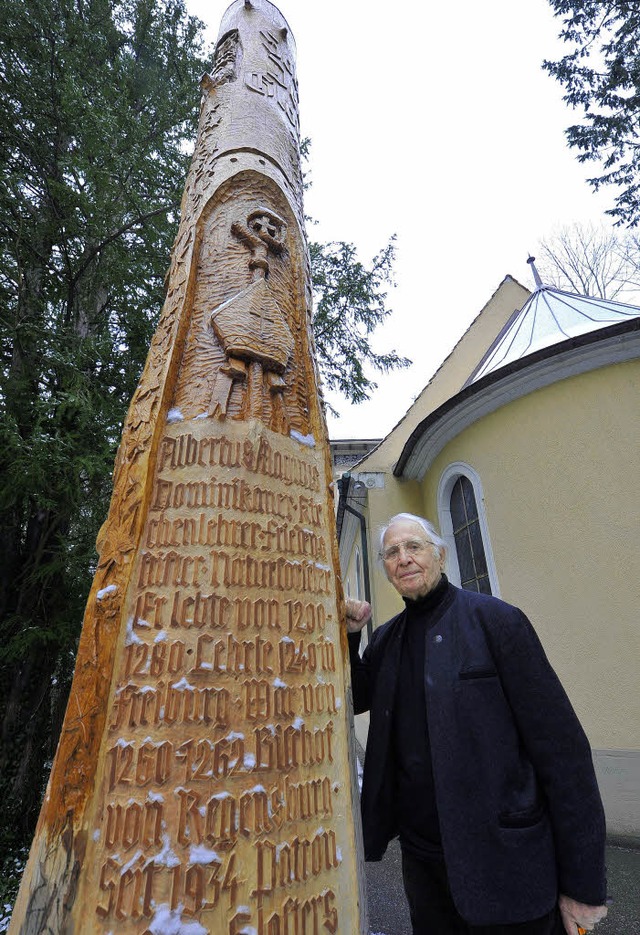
(585,352)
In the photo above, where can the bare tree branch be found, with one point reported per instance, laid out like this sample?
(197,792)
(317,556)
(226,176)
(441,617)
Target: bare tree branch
(592,260)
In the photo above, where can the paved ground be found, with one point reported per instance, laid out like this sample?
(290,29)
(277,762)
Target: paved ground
(388,913)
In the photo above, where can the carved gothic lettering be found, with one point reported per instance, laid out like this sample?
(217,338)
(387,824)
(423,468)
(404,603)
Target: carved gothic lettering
(202,779)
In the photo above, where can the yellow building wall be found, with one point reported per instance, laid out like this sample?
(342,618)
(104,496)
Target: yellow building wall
(559,470)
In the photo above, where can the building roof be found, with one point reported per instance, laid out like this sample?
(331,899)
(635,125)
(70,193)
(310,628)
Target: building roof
(549,316)
(613,344)
(345,452)
(450,376)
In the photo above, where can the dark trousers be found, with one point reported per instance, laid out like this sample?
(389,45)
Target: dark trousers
(434,913)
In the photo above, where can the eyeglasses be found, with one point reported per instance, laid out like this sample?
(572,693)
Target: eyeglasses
(412,548)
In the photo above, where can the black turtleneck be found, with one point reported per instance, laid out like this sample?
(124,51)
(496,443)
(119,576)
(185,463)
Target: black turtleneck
(416,801)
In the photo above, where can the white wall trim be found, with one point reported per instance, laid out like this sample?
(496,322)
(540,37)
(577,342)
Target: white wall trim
(447,480)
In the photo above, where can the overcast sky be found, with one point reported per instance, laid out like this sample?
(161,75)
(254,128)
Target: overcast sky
(437,123)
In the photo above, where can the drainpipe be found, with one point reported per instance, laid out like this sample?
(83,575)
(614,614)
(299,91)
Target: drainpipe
(344,483)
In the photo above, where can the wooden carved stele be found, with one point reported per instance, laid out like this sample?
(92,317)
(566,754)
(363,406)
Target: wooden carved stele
(202,780)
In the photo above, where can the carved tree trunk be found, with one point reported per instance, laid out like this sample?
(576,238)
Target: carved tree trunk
(202,780)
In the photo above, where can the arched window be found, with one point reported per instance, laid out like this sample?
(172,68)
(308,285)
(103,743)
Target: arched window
(467,535)
(464,527)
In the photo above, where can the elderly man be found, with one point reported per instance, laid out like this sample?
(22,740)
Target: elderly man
(475,758)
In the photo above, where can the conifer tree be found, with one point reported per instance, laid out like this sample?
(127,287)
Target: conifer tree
(601,77)
(350,303)
(97,103)
(98,110)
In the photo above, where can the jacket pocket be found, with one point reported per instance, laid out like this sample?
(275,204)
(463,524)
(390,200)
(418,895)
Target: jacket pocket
(527,818)
(478,672)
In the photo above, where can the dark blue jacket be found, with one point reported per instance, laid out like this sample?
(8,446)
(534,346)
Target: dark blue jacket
(520,813)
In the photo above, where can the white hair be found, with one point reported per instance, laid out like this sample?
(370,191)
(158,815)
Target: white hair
(428,528)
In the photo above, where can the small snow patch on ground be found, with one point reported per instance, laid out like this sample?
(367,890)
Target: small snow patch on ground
(174,415)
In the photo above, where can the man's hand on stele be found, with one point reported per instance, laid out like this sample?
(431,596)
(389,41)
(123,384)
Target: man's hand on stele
(358,612)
